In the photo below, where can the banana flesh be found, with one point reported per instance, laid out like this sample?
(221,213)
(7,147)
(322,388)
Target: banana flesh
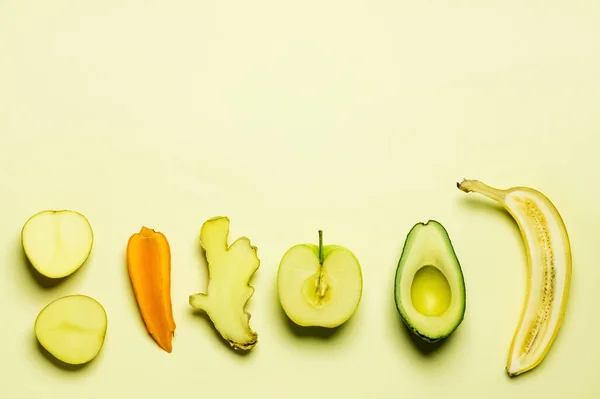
(549,271)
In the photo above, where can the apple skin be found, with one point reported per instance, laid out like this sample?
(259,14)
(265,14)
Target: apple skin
(341,306)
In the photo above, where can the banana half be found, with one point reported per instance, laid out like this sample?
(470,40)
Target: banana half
(549,271)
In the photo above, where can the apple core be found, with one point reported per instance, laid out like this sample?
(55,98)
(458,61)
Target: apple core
(319,285)
(316,290)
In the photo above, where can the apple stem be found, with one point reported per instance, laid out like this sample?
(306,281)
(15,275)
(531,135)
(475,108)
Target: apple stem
(321,247)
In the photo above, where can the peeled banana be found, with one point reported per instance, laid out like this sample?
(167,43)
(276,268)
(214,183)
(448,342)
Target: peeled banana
(549,271)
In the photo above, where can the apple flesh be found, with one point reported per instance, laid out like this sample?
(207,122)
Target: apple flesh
(57,243)
(72,328)
(319,286)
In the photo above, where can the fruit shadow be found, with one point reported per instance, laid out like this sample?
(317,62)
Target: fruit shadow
(44,281)
(425,348)
(483,205)
(321,333)
(313,331)
(60,364)
(200,314)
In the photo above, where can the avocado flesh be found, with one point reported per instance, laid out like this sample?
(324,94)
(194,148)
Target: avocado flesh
(430,292)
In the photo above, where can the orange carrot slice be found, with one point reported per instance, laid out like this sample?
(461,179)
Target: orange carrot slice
(149,268)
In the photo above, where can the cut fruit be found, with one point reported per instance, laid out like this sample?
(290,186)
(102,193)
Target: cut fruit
(319,285)
(230,270)
(549,271)
(57,243)
(72,329)
(149,269)
(429,286)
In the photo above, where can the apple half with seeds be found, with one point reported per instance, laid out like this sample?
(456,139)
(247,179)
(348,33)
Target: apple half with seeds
(319,286)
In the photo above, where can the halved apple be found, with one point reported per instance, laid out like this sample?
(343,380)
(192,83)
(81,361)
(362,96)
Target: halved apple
(319,285)
(72,328)
(57,243)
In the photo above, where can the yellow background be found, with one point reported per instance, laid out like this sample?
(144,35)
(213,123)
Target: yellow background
(355,117)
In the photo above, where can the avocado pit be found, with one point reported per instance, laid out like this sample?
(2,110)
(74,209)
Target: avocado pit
(430,291)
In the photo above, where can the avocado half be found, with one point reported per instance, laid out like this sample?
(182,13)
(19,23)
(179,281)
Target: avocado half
(429,286)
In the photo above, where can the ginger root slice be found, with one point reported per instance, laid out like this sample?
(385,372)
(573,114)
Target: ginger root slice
(230,269)
(149,269)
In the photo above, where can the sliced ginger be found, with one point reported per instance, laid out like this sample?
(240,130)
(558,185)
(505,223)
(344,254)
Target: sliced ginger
(149,268)
(230,270)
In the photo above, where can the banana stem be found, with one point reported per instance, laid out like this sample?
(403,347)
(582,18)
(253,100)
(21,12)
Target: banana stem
(476,186)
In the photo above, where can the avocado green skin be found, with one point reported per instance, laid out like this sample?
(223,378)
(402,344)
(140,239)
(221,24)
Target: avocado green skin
(397,285)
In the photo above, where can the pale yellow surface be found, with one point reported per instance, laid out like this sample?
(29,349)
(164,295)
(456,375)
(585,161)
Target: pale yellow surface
(355,117)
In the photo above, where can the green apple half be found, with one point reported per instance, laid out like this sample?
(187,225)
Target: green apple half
(57,243)
(72,328)
(319,285)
